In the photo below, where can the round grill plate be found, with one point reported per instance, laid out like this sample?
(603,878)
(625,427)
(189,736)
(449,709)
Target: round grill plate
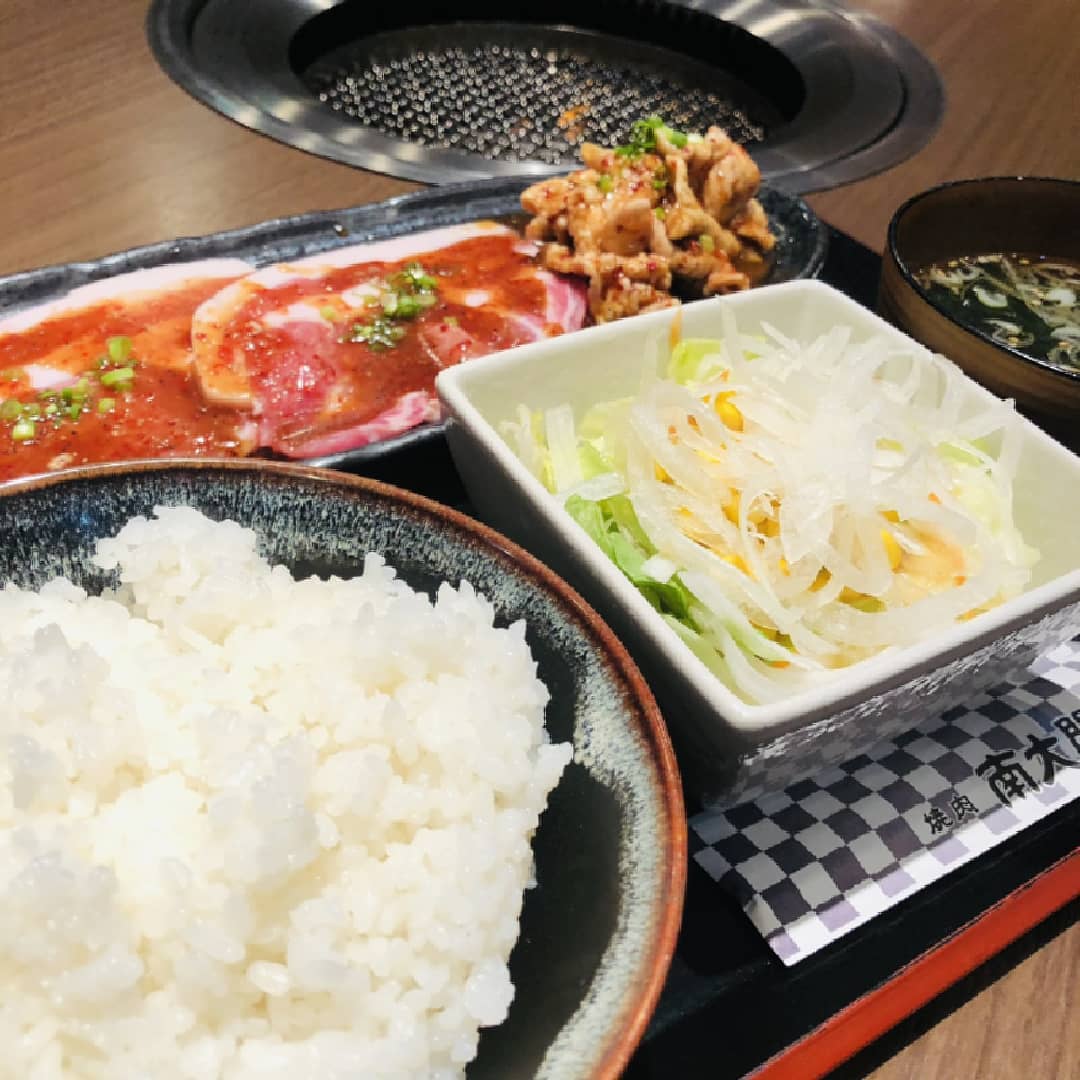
(441,93)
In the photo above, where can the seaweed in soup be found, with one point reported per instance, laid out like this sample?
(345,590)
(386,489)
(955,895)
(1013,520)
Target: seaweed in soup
(1028,303)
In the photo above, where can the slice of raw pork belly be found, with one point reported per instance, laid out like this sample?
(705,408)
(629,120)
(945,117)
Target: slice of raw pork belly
(52,345)
(310,349)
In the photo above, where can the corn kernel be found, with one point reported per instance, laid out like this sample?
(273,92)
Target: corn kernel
(893,550)
(738,562)
(862,601)
(728,411)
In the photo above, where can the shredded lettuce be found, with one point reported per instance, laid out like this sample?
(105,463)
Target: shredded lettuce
(628,547)
(694,359)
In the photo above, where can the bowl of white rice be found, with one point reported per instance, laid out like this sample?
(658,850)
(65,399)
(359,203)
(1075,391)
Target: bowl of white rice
(306,776)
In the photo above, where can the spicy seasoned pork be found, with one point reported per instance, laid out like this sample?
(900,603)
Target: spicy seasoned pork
(667,207)
(342,349)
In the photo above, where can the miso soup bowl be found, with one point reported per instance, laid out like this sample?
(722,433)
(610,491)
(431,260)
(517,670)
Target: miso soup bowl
(1022,215)
(729,750)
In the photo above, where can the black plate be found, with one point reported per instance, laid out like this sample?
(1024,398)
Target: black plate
(802,241)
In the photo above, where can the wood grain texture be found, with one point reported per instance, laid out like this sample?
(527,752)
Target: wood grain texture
(100,151)
(1012,78)
(1022,1027)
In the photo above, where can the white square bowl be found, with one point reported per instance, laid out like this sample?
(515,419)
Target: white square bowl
(729,750)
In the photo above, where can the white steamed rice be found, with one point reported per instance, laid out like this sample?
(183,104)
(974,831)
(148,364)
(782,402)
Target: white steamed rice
(259,827)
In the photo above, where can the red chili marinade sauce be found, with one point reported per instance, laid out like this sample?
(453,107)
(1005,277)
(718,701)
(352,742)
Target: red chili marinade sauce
(163,414)
(308,377)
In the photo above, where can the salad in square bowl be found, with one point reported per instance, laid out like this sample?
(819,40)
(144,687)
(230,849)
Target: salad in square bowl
(810,530)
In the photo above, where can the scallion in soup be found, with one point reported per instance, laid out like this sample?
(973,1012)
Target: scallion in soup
(1029,303)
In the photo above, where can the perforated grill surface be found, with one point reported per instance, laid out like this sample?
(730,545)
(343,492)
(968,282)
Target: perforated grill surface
(516,102)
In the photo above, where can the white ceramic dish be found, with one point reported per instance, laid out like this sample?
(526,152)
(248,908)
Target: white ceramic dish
(728,749)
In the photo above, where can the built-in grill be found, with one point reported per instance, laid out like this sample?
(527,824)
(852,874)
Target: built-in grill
(442,92)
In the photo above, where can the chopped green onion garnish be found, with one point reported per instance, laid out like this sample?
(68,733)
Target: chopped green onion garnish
(328,313)
(708,244)
(414,277)
(406,295)
(381,333)
(604,183)
(69,403)
(408,307)
(117,376)
(660,212)
(643,137)
(119,349)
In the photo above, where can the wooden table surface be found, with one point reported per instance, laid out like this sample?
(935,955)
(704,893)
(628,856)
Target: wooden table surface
(100,151)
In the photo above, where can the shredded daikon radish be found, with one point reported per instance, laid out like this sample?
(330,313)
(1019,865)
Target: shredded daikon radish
(562,446)
(792,508)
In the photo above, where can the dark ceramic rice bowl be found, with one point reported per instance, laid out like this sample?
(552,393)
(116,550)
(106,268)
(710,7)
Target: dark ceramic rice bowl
(599,930)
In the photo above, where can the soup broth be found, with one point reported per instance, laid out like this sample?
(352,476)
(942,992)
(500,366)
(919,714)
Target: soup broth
(1026,302)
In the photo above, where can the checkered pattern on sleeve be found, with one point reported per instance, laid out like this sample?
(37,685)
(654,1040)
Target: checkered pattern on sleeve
(822,857)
